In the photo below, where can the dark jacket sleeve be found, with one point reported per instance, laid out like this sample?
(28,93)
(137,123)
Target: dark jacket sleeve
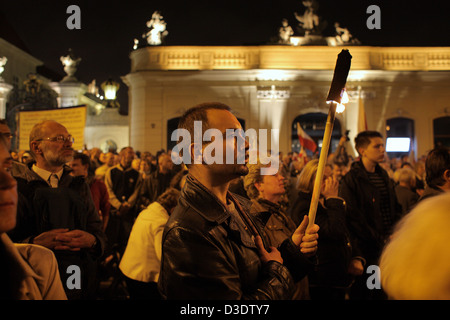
(354,216)
(94,224)
(206,268)
(331,219)
(147,193)
(295,261)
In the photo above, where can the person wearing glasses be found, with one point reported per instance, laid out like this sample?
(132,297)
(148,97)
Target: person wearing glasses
(27,271)
(6,134)
(56,210)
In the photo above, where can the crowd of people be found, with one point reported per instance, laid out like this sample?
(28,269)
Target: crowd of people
(217,231)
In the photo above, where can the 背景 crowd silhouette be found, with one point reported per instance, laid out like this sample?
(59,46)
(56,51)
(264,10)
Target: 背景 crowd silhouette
(136,226)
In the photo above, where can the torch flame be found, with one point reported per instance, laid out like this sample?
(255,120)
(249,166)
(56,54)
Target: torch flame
(344,99)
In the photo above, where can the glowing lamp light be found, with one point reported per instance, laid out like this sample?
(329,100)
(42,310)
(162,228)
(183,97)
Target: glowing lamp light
(110,88)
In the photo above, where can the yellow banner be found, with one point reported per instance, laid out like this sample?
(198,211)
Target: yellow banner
(73,118)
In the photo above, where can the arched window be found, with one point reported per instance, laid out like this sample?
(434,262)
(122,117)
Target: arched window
(441,131)
(314,125)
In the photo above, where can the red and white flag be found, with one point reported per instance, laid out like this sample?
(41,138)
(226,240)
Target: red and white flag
(305,141)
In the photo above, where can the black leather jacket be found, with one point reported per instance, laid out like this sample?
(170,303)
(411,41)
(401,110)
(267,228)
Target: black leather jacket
(208,254)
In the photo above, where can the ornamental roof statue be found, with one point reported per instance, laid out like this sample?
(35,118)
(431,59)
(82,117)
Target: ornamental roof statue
(310,23)
(157,29)
(70,63)
(3,61)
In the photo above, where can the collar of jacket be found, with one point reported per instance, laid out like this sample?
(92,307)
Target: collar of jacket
(119,166)
(33,178)
(206,203)
(29,175)
(263,209)
(430,191)
(362,172)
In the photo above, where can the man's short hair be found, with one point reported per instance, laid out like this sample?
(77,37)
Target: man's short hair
(169,199)
(199,113)
(83,158)
(37,133)
(438,160)
(363,139)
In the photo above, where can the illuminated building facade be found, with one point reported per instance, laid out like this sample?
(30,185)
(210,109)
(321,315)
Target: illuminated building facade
(272,87)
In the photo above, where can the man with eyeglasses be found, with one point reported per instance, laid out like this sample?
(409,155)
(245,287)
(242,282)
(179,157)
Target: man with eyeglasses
(56,210)
(5,131)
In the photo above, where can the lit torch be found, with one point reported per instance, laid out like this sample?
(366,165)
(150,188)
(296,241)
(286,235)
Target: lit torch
(336,97)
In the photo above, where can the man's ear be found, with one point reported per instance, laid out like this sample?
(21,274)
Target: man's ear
(34,146)
(196,153)
(447,175)
(360,151)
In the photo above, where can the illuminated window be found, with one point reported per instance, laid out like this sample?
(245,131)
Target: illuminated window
(399,136)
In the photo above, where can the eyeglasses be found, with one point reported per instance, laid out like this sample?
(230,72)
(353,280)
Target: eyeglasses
(60,138)
(7,135)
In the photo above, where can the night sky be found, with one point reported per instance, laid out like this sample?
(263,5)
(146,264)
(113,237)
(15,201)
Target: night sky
(109,27)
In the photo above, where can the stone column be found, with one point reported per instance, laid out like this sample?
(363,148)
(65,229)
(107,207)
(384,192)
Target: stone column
(272,116)
(5,88)
(69,93)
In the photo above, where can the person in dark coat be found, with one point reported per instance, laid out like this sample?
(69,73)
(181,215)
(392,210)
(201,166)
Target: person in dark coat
(123,184)
(437,167)
(56,209)
(331,278)
(372,209)
(157,182)
(407,198)
(266,192)
(212,247)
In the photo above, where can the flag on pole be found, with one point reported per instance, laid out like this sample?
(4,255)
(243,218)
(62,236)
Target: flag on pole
(305,140)
(362,121)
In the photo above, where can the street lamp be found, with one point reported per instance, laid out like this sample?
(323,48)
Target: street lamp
(110,88)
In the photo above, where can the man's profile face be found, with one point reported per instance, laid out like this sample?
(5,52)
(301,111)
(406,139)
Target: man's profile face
(223,120)
(8,192)
(375,150)
(78,169)
(4,130)
(165,163)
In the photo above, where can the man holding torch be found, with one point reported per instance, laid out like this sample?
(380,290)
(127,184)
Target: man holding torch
(212,248)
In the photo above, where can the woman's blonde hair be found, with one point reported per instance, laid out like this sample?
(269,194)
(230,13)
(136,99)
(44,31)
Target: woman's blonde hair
(306,179)
(253,176)
(415,264)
